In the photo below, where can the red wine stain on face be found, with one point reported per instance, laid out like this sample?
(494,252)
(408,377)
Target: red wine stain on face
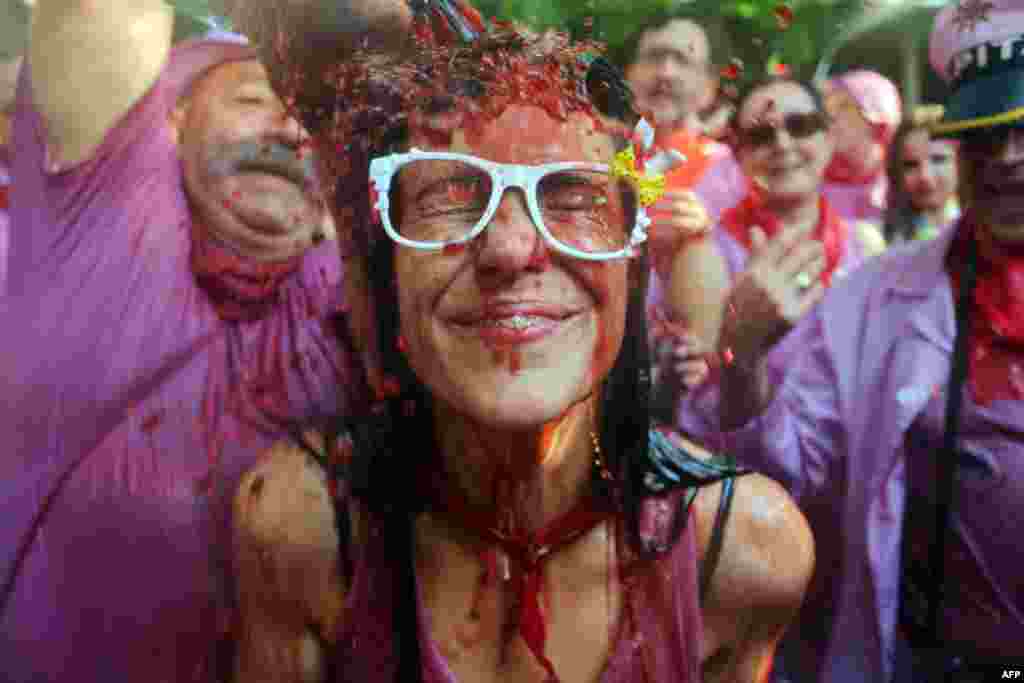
(515,361)
(540,259)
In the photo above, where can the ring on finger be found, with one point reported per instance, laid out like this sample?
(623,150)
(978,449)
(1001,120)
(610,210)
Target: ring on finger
(803,281)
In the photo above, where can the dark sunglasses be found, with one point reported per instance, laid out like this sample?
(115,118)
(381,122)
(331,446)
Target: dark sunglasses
(798,126)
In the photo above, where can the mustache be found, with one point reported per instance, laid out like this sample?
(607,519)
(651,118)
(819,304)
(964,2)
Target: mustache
(255,156)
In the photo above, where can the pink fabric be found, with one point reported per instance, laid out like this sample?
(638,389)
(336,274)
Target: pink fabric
(876,96)
(130,408)
(1001,20)
(659,639)
(867,362)
(5,218)
(723,185)
(859,202)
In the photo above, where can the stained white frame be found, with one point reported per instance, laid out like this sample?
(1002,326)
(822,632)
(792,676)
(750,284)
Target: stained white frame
(503,177)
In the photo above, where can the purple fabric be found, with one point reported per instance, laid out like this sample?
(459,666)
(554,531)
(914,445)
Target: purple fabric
(5,218)
(723,185)
(987,605)
(856,202)
(657,642)
(871,356)
(129,409)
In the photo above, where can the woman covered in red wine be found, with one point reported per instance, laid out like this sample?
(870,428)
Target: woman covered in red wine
(505,510)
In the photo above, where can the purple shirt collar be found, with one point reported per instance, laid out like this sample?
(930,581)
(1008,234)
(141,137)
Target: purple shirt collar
(922,274)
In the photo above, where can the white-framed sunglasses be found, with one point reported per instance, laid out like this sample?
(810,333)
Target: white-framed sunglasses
(448,199)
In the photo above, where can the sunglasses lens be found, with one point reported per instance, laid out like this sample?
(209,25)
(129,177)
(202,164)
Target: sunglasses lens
(804,125)
(759,136)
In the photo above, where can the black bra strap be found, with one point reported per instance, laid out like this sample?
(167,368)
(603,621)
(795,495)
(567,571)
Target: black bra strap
(714,551)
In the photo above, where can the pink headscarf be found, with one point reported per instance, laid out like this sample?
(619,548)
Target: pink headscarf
(877,98)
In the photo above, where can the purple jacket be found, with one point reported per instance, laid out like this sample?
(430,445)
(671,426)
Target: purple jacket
(866,364)
(129,408)
(5,219)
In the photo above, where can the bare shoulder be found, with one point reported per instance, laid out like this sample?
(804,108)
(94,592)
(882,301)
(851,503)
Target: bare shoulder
(767,555)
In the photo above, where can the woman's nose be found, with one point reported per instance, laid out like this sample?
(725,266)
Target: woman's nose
(510,241)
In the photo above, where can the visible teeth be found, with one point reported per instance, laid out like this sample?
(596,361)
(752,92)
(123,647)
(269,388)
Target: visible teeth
(516,322)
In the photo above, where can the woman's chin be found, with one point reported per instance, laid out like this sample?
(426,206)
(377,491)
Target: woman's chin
(518,407)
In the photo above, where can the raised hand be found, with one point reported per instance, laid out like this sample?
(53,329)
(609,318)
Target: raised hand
(677,217)
(780,285)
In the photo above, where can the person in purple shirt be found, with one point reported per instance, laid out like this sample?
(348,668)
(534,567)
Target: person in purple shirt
(174,306)
(784,142)
(670,64)
(857,426)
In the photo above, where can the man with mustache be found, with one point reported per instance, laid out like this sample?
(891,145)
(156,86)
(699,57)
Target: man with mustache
(904,405)
(174,306)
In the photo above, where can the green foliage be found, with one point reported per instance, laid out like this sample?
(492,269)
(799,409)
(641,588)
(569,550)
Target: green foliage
(752,26)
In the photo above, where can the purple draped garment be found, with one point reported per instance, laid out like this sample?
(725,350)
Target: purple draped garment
(130,409)
(5,218)
(858,416)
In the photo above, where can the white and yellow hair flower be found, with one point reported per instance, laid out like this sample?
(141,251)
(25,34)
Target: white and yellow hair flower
(644,166)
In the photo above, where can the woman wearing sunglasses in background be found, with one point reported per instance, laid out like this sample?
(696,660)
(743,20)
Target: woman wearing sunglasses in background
(506,512)
(783,144)
(923,180)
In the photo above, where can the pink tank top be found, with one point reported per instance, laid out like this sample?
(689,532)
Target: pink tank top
(659,639)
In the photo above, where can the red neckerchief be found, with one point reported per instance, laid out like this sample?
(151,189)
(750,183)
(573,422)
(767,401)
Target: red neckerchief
(695,148)
(240,289)
(751,212)
(996,344)
(527,551)
(841,171)
(5,201)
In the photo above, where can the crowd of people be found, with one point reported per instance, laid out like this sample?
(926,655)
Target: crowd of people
(384,341)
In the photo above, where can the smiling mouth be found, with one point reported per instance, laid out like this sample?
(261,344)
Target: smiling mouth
(514,328)
(516,322)
(292,175)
